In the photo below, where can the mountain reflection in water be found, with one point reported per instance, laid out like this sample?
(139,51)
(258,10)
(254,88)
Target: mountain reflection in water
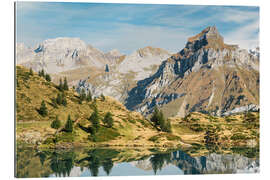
(103,162)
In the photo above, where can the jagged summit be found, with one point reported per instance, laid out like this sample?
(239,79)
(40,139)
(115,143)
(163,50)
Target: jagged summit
(208,38)
(61,43)
(150,51)
(208,33)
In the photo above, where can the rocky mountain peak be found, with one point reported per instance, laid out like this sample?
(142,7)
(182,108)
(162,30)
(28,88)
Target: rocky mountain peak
(149,51)
(114,52)
(208,38)
(204,54)
(61,43)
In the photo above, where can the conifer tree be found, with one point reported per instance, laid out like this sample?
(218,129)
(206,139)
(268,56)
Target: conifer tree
(94,119)
(89,96)
(60,87)
(42,73)
(155,116)
(56,124)
(64,100)
(69,125)
(43,109)
(31,72)
(107,68)
(59,99)
(108,120)
(159,121)
(65,86)
(48,77)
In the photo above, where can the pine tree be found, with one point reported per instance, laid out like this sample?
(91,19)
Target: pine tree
(65,86)
(59,99)
(31,72)
(56,124)
(43,109)
(107,68)
(64,100)
(155,116)
(159,121)
(89,96)
(42,73)
(60,87)
(69,125)
(94,119)
(48,77)
(108,120)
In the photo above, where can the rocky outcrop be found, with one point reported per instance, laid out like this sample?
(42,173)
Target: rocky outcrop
(207,74)
(250,107)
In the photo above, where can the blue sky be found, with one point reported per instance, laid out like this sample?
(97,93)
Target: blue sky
(127,27)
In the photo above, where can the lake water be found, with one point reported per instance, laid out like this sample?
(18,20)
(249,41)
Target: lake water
(128,162)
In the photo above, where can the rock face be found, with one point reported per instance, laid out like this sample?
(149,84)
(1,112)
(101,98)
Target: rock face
(63,54)
(123,76)
(207,75)
(143,62)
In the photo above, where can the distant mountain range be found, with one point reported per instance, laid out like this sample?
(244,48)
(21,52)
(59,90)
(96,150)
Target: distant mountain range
(207,75)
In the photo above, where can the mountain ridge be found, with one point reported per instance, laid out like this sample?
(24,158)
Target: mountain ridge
(196,59)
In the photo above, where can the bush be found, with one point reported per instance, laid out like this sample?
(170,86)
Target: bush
(153,138)
(238,137)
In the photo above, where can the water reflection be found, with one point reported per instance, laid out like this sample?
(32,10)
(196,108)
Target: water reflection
(100,162)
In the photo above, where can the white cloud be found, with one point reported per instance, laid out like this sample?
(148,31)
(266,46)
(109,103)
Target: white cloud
(128,38)
(247,36)
(239,16)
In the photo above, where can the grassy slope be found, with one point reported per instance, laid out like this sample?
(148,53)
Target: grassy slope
(130,128)
(232,131)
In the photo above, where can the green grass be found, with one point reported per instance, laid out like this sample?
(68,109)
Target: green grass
(104,134)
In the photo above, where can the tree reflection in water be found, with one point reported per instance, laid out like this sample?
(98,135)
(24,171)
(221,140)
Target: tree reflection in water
(158,160)
(35,163)
(97,158)
(61,163)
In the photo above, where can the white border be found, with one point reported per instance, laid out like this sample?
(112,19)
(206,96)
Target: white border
(7,86)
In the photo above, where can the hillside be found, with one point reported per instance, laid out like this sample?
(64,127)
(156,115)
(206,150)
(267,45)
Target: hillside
(129,129)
